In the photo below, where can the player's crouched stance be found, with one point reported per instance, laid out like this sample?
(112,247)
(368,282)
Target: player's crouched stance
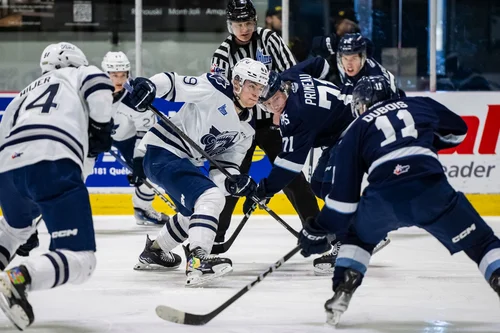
(45,135)
(215,116)
(395,141)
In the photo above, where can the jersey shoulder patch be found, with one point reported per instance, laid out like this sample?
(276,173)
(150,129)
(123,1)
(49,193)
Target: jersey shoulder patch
(221,83)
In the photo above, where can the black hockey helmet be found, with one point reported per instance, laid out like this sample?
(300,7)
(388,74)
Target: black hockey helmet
(273,85)
(240,11)
(368,91)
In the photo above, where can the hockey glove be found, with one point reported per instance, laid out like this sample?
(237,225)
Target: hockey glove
(240,185)
(137,176)
(260,193)
(143,94)
(313,238)
(99,137)
(324,46)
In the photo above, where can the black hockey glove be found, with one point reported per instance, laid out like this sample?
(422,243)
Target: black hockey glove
(99,137)
(137,176)
(143,94)
(260,193)
(240,185)
(313,238)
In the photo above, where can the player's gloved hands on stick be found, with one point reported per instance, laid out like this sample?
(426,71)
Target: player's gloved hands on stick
(143,94)
(137,176)
(99,137)
(240,185)
(261,193)
(313,238)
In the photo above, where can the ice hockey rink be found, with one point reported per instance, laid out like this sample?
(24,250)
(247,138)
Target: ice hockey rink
(412,285)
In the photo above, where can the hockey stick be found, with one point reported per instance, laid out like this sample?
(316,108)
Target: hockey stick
(222,248)
(186,318)
(209,158)
(145,181)
(311,164)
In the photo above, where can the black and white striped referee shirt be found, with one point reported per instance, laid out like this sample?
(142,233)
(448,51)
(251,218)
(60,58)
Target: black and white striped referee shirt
(266,46)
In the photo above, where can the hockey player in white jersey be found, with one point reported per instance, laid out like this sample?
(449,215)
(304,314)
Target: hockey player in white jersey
(46,133)
(215,115)
(130,126)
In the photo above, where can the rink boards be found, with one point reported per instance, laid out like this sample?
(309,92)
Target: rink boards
(473,167)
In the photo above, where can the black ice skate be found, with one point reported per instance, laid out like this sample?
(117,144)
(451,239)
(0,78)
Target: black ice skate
(325,264)
(149,217)
(32,243)
(13,297)
(156,259)
(494,281)
(339,303)
(202,267)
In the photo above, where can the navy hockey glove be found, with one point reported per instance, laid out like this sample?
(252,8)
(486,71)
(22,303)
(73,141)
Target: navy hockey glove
(313,238)
(260,193)
(240,185)
(143,93)
(137,176)
(324,46)
(99,137)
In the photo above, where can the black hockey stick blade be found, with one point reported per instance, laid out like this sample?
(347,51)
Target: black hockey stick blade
(222,248)
(180,317)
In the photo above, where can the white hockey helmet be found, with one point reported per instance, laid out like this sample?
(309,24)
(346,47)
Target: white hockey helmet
(61,55)
(252,70)
(115,62)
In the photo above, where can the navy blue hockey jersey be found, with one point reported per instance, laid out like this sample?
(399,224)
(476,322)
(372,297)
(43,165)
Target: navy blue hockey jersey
(315,115)
(394,141)
(370,68)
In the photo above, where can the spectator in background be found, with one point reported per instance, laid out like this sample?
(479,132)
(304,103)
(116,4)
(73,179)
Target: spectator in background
(460,78)
(273,19)
(345,21)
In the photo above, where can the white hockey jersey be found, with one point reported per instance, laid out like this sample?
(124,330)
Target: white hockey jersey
(49,119)
(128,122)
(208,117)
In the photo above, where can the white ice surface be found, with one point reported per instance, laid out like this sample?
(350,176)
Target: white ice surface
(413,285)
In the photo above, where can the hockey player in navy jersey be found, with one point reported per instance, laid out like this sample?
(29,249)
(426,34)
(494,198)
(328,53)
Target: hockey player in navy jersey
(313,113)
(395,141)
(130,126)
(46,134)
(215,115)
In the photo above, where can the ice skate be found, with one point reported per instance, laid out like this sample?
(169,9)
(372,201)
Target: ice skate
(202,268)
(156,259)
(149,216)
(325,264)
(494,281)
(13,298)
(339,303)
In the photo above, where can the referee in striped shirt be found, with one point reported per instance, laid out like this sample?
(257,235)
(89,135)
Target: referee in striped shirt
(266,46)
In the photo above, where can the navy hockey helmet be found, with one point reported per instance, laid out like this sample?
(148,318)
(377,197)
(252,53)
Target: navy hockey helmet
(273,85)
(368,91)
(352,44)
(241,11)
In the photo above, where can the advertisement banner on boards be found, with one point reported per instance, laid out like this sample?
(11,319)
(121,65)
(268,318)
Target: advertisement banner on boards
(472,167)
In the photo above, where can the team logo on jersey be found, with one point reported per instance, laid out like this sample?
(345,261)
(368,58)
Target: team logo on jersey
(16,155)
(216,69)
(217,142)
(260,56)
(400,169)
(284,119)
(220,80)
(295,87)
(222,109)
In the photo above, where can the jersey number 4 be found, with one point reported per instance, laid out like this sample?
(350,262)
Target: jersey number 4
(46,100)
(384,124)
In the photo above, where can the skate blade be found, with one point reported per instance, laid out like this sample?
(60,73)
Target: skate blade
(197,281)
(323,269)
(149,223)
(153,267)
(16,314)
(333,318)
